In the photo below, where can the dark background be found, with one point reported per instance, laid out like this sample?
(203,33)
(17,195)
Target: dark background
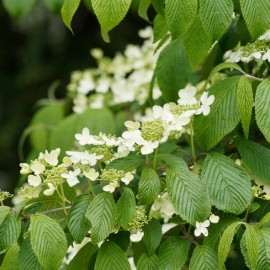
(37,50)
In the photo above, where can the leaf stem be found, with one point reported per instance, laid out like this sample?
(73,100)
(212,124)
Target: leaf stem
(192,142)
(247,212)
(155,159)
(62,196)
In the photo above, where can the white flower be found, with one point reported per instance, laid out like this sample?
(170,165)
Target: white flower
(233,56)
(206,102)
(266,56)
(136,237)
(71,177)
(25,168)
(84,138)
(37,167)
(50,190)
(92,174)
(86,85)
(187,96)
(127,178)
(131,263)
(149,147)
(34,180)
(201,228)
(111,187)
(213,218)
(132,125)
(52,157)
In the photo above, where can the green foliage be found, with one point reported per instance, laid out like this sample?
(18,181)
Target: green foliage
(19,8)
(11,260)
(228,184)
(147,262)
(48,241)
(68,10)
(262,108)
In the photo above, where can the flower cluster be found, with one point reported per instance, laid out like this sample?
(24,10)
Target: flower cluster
(4,195)
(201,227)
(125,78)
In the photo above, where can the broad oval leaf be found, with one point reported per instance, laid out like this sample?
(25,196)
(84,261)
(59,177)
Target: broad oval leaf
(203,257)
(48,241)
(262,108)
(11,259)
(68,10)
(216,16)
(77,223)
(149,186)
(110,13)
(111,256)
(224,115)
(228,184)
(147,262)
(4,210)
(180,15)
(173,254)
(101,213)
(172,70)
(187,194)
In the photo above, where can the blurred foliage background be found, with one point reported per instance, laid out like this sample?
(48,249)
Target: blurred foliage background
(36,51)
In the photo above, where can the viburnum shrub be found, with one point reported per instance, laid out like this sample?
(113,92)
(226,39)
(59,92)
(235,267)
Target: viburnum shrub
(164,162)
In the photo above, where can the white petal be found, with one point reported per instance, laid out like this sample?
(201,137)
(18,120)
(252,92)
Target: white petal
(34,180)
(197,232)
(214,219)
(137,237)
(206,223)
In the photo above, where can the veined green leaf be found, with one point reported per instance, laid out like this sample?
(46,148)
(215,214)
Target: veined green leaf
(148,262)
(110,13)
(68,10)
(225,243)
(152,235)
(224,115)
(216,16)
(264,220)
(173,69)
(11,259)
(77,223)
(228,184)
(143,7)
(203,257)
(149,186)
(18,8)
(9,231)
(158,5)
(262,108)
(250,246)
(125,208)
(4,210)
(180,15)
(256,15)
(48,241)
(83,257)
(173,254)
(160,27)
(187,194)
(256,158)
(245,103)
(27,257)
(111,256)
(101,213)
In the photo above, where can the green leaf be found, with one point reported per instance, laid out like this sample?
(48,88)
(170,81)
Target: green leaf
(158,5)
(172,161)
(256,15)
(224,115)
(110,256)
(173,254)
(143,7)
(203,257)
(264,220)
(27,257)
(54,5)
(197,43)
(225,243)
(250,247)
(121,238)
(148,262)
(173,69)
(245,102)
(77,223)
(126,164)
(152,235)
(125,208)
(263,236)
(180,15)
(110,13)
(256,158)
(160,27)
(187,194)
(149,186)
(262,108)
(83,257)
(18,8)
(216,16)
(101,213)
(48,241)
(11,259)
(228,184)
(68,10)
(9,231)
(4,210)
